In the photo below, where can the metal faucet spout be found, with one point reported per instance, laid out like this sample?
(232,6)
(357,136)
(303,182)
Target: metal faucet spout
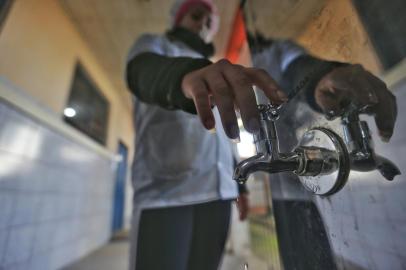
(387,168)
(268,159)
(320,160)
(265,163)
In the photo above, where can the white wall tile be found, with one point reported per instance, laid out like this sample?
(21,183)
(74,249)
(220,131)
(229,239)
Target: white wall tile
(7,201)
(3,242)
(56,204)
(26,210)
(19,244)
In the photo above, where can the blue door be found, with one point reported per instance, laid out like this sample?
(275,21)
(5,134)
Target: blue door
(119,189)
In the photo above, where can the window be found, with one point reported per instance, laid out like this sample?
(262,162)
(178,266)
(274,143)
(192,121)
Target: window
(4,8)
(385,23)
(87,109)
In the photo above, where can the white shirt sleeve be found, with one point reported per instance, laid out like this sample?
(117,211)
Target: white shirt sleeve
(289,51)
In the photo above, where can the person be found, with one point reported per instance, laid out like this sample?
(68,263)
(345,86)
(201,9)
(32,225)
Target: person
(182,171)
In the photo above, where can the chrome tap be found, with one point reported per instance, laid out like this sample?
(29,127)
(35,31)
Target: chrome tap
(268,157)
(322,160)
(360,146)
(306,160)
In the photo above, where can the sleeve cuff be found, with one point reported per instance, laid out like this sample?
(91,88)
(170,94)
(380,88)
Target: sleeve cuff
(304,73)
(175,96)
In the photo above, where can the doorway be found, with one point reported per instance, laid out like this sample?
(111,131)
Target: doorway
(119,189)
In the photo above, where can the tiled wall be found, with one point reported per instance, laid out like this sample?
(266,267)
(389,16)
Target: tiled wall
(55,195)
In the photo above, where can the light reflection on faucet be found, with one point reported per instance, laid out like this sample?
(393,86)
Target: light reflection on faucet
(268,158)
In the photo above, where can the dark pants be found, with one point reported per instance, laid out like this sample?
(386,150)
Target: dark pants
(183,238)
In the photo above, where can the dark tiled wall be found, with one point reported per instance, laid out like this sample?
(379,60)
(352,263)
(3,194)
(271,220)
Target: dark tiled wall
(55,195)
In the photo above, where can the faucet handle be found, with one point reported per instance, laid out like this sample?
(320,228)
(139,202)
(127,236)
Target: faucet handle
(266,141)
(386,167)
(269,111)
(361,149)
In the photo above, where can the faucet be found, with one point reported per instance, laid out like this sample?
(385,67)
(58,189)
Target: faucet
(322,160)
(306,160)
(268,157)
(360,147)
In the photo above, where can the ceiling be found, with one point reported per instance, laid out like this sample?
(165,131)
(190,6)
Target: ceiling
(111,26)
(281,18)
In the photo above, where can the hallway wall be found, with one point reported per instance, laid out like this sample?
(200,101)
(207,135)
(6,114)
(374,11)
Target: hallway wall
(56,184)
(39,49)
(55,195)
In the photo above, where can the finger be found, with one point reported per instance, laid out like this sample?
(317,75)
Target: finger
(362,90)
(352,84)
(244,96)
(224,100)
(243,207)
(385,115)
(266,83)
(242,215)
(331,100)
(239,207)
(381,102)
(200,96)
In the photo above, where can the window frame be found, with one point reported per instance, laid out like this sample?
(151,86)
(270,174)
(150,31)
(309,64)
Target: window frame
(81,73)
(4,11)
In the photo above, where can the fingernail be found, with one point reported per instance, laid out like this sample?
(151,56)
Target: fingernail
(385,136)
(209,124)
(212,131)
(254,125)
(385,139)
(235,132)
(236,140)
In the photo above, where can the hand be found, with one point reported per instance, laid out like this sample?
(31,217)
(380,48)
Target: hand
(228,86)
(353,83)
(243,205)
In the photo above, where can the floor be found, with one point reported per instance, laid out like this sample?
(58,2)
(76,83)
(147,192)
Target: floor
(112,256)
(115,256)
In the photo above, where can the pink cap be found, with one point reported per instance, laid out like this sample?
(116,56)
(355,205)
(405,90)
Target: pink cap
(187,4)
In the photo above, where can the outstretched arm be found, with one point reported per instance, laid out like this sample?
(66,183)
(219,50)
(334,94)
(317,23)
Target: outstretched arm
(331,86)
